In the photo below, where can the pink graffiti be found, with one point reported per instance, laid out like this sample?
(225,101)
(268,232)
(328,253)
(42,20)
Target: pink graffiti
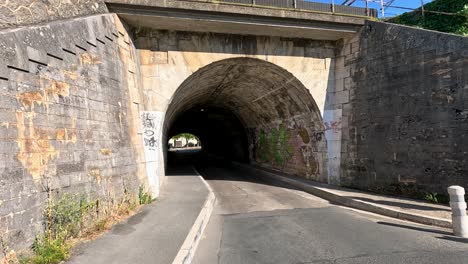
(334,126)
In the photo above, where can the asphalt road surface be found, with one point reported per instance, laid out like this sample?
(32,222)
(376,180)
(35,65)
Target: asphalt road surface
(260,221)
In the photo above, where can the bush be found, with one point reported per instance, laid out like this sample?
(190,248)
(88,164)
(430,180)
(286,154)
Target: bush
(66,215)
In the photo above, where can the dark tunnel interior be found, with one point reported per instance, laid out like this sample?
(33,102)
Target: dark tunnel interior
(221,133)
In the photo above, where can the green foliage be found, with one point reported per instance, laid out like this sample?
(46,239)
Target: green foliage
(436,197)
(70,216)
(64,220)
(66,215)
(457,24)
(431,197)
(186,136)
(274,147)
(144,197)
(49,250)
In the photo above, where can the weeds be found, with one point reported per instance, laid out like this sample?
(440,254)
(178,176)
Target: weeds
(69,217)
(436,198)
(144,197)
(431,197)
(64,220)
(50,250)
(412,191)
(7,256)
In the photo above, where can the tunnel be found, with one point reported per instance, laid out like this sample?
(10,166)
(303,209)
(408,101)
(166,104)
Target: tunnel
(253,111)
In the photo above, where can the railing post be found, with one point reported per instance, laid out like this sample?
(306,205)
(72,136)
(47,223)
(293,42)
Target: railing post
(295,4)
(382,6)
(422,9)
(458,205)
(367,7)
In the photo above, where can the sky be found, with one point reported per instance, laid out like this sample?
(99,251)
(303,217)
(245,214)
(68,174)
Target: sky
(389,12)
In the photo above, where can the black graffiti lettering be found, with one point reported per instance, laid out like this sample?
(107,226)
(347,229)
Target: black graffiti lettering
(317,136)
(148,120)
(149,133)
(150,142)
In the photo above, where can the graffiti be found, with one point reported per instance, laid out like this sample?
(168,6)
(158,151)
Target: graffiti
(148,120)
(334,126)
(292,148)
(151,123)
(318,136)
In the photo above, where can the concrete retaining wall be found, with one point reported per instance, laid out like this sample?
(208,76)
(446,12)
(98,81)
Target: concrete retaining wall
(68,120)
(408,111)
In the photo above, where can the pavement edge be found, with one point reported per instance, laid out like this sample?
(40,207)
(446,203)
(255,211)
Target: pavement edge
(189,247)
(353,203)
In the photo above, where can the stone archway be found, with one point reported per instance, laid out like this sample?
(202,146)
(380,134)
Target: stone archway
(262,112)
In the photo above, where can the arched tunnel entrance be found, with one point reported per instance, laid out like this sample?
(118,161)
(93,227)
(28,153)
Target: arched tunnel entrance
(220,131)
(251,110)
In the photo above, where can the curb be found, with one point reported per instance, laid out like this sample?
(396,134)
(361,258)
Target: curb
(188,248)
(354,203)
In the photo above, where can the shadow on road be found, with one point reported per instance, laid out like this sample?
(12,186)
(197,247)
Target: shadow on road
(402,205)
(441,232)
(205,163)
(456,239)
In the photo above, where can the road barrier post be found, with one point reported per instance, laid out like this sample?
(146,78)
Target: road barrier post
(458,205)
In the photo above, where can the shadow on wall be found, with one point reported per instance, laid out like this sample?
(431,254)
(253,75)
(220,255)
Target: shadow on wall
(234,44)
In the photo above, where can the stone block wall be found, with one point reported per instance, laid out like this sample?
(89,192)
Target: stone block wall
(68,106)
(14,13)
(408,109)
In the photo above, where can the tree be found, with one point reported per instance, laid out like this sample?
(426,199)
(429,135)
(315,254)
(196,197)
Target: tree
(452,17)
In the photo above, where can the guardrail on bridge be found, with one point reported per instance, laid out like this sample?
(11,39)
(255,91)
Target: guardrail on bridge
(306,5)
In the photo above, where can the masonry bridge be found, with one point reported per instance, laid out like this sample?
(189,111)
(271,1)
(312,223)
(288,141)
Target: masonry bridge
(91,93)
(253,83)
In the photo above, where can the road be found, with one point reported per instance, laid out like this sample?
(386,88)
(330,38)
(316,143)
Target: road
(260,221)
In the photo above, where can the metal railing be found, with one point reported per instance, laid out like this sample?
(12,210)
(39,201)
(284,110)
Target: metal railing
(306,5)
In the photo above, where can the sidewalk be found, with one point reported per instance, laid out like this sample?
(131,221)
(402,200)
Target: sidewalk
(167,229)
(392,206)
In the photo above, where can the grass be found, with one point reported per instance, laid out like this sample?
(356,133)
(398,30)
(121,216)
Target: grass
(70,219)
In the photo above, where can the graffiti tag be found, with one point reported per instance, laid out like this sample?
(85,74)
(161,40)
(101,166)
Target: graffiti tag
(334,126)
(317,136)
(149,122)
